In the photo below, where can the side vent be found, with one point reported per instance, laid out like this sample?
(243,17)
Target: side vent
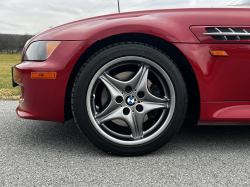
(226,33)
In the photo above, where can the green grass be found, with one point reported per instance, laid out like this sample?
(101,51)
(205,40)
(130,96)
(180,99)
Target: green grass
(7,92)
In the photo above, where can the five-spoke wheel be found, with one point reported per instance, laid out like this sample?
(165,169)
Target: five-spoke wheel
(129,101)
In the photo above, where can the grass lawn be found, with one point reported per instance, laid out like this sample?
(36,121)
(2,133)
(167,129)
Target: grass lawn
(7,92)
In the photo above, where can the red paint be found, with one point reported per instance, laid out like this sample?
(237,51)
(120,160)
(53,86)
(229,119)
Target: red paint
(225,111)
(223,81)
(20,112)
(220,78)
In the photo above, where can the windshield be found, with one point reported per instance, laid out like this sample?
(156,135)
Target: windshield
(237,3)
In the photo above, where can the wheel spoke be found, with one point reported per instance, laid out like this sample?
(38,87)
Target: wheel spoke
(138,118)
(143,87)
(114,114)
(135,125)
(121,85)
(148,106)
(151,98)
(114,93)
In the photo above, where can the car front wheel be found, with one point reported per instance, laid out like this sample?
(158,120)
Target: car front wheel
(129,99)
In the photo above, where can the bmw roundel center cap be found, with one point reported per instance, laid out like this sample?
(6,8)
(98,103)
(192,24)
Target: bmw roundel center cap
(130,100)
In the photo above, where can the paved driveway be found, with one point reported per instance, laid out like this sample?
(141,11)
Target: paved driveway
(39,153)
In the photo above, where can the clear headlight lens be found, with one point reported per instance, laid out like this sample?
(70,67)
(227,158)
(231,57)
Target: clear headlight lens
(40,50)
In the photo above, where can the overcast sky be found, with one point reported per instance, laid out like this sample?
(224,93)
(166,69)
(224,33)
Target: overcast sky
(35,16)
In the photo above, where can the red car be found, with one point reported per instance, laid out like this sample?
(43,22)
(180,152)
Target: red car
(131,80)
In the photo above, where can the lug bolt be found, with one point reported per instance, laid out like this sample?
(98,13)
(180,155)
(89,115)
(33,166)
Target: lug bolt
(139,108)
(126,111)
(119,99)
(140,94)
(128,89)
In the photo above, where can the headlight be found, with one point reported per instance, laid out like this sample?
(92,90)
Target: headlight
(40,50)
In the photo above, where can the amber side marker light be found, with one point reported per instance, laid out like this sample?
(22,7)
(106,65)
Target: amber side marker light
(43,75)
(218,53)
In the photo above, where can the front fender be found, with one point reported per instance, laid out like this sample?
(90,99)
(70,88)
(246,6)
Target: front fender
(163,25)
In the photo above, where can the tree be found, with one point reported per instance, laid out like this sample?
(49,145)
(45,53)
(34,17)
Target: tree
(13,42)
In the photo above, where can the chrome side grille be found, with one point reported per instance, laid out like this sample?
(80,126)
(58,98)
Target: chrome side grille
(226,33)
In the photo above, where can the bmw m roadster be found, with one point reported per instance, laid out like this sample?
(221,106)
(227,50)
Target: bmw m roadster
(131,80)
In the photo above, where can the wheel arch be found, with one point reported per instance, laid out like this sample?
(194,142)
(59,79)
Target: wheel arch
(193,111)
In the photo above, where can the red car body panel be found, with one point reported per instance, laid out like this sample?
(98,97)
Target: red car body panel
(220,78)
(225,111)
(223,81)
(44,99)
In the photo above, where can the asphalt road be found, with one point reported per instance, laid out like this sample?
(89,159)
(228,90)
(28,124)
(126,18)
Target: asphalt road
(39,153)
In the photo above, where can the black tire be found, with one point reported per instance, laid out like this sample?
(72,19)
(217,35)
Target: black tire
(99,59)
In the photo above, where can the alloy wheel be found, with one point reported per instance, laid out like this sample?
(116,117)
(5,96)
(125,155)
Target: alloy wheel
(130,100)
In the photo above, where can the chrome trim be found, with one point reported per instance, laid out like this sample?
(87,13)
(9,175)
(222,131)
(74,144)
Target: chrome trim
(220,32)
(218,29)
(231,30)
(234,32)
(245,30)
(226,34)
